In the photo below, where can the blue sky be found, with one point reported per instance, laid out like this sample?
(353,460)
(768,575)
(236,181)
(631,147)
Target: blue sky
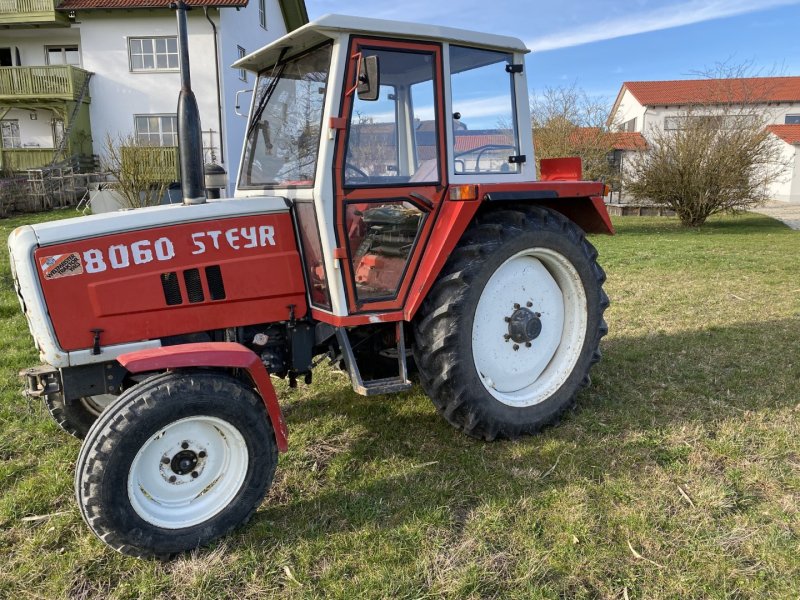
(598,44)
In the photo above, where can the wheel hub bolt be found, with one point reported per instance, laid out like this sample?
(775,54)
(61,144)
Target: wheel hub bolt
(201,454)
(195,474)
(516,306)
(516,347)
(524,325)
(529,304)
(185,445)
(165,460)
(527,344)
(172,478)
(184,462)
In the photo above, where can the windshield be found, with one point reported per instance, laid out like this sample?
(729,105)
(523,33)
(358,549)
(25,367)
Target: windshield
(284,130)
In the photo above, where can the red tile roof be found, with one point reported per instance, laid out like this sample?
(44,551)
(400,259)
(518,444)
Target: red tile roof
(69,5)
(751,90)
(788,133)
(464,143)
(620,140)
(629,140)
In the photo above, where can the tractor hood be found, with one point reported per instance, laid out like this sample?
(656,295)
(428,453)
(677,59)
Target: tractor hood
(116,256)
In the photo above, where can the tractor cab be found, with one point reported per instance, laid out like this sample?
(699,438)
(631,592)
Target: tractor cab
(370,128)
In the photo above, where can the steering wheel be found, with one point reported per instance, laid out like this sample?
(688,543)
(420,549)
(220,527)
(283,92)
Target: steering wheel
(359,172)
(488,147)
(484,148)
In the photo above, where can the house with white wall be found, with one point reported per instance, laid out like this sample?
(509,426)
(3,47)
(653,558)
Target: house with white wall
(88,69)
(647,106)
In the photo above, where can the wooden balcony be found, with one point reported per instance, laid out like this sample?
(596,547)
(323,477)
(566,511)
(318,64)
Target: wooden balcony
(162,161)
(31,13)
(22,159)
(20,85)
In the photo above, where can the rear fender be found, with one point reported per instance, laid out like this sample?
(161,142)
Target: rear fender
(213,354)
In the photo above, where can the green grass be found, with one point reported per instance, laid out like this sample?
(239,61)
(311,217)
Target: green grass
(678,476)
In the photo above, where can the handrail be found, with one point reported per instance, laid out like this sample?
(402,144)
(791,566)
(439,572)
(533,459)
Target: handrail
(42,81)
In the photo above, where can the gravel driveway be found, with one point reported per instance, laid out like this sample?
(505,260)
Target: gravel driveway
(788,213)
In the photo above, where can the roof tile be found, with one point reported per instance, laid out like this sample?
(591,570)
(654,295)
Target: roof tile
(70,5)
(788,133)
(750,90)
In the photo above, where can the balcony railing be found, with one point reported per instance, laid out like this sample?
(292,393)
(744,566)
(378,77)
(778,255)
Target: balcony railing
(160,162)
(61,82)
(31,12)
(21,159)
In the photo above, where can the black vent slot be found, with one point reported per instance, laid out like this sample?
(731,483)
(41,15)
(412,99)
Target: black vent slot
(215,286)
(194,288)
(172,289)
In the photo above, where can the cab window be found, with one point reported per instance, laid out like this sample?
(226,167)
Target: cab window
(484,116)
(392,140)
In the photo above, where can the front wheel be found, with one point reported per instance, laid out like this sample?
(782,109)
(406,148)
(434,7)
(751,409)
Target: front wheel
(508,333)
(176,462)
(77,416)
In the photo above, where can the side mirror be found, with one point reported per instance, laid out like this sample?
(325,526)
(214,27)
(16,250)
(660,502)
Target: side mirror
(369,79)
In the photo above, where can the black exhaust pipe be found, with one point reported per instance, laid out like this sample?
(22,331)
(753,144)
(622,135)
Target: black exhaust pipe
(190,137)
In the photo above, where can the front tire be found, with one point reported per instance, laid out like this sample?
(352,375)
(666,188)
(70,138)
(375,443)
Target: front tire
(77,416)
(508,333)
(176,462)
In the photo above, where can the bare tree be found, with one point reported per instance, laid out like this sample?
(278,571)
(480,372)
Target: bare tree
(142,173)
(716,156)
(567,122)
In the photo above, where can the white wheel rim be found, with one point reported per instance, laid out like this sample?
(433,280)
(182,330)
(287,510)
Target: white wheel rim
(97,404)
(544,282)
(174,499)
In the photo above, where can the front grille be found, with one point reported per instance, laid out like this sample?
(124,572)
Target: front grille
(215,285)
(194,288)
(172,289)
(193,281)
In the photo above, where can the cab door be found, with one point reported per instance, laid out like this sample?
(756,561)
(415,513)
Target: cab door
(389,171)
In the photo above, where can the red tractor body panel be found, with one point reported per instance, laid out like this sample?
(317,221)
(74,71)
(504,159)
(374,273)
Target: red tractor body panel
(173,280)
(213,354)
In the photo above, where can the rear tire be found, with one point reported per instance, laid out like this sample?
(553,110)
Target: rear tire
(176,462)
(77,416)
(507,335)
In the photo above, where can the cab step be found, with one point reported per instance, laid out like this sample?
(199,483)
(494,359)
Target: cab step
(374,387)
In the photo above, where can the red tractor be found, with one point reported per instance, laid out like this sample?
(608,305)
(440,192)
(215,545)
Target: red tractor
(387,207)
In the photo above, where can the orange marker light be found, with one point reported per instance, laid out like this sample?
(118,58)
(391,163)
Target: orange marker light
(464,192)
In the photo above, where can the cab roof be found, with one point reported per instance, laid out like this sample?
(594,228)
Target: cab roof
(331,26)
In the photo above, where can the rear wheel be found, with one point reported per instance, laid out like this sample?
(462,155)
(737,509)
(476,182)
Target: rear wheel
(176,462)
(77,416)
(507,336)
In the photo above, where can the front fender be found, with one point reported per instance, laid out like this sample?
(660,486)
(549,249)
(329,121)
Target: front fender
(213,354)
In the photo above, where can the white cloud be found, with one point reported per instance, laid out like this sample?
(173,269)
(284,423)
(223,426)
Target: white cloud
(675,15)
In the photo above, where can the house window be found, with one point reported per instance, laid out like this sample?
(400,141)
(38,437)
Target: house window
(672,123)
(9,130)
(792,120)
(629,125)
(156,130)
(62,55)
(262,13)
(154,54)
(242,72)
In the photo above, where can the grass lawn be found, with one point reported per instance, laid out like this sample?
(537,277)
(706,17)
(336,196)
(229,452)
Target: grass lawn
(678,476)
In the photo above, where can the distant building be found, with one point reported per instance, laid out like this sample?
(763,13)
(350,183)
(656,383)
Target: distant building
(74,71)
(642,106)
